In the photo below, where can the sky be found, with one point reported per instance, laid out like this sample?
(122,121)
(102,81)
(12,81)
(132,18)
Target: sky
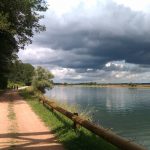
(104,41)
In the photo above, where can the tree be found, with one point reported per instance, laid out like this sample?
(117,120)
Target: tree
(21,73)
(8,49)
(28,71)
(19,20)
(42,79)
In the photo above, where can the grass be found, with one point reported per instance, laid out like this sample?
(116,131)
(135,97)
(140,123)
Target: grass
(80,139)
(11,114)
(75,108)
(13,124)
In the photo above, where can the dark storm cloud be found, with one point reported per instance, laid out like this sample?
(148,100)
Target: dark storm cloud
(110,32)
(78,62)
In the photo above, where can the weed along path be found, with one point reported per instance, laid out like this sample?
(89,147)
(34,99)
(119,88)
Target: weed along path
(21,128)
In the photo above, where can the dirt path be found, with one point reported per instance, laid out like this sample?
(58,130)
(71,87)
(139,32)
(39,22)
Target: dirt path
(4,122)
(20,127)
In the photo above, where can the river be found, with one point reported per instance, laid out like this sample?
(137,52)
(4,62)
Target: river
(125,110)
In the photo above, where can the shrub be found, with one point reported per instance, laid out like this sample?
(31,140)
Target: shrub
(42,79)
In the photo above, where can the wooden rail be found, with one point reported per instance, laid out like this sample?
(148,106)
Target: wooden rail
(109,136)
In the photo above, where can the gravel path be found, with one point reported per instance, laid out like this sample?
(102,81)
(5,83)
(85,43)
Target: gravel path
(21,128)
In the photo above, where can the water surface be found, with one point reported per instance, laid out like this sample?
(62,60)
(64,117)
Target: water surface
(125,110)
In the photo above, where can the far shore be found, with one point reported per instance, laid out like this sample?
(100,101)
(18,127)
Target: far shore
(110,85)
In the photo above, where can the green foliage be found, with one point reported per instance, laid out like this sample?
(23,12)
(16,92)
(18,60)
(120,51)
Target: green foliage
(19,20)
(21,73)
(42,79)
(132,85)
(3,82)
(4,24)
(8,49)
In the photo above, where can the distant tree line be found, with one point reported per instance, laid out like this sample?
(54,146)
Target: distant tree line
(81,83)
(102,84)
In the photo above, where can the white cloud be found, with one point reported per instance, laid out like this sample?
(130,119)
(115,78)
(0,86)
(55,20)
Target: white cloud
(36,54)
(117,64)
(89,69)
(61,7)
(136,5)
(65,74)
(102,75)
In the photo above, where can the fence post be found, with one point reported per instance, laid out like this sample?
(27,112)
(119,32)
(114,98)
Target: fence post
(75,125)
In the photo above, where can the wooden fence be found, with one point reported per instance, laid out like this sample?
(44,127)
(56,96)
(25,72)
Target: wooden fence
(109,136)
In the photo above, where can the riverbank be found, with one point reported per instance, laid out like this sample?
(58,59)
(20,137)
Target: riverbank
(62,127)
(111,86)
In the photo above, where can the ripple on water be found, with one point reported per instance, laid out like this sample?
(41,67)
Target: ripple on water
(123,109)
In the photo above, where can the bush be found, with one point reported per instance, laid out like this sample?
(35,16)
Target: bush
(42,79)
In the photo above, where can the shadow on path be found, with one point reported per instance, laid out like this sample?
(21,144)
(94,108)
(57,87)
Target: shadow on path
(25,141)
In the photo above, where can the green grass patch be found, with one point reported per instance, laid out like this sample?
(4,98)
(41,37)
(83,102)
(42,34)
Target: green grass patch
(11,114)
(80,139)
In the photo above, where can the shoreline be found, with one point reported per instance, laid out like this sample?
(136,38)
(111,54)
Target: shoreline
(138,86)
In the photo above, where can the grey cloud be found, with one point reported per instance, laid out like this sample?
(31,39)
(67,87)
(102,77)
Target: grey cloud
(90,38)
(110,32)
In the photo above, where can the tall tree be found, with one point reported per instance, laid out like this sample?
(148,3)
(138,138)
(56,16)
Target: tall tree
(8,48)
(21,73)
(19,20)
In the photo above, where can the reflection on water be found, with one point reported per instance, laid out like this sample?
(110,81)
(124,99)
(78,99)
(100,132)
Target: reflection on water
(120,99)
(123,109)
